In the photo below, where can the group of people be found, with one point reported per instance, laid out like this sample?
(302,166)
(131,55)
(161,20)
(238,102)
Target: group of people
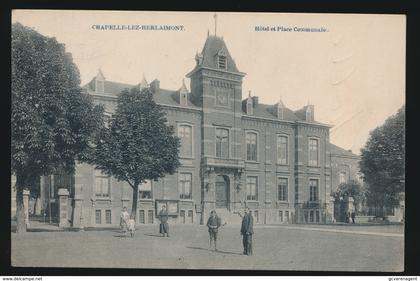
(350,217)
(213,224)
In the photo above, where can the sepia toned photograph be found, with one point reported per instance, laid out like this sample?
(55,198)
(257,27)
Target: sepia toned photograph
(203,140)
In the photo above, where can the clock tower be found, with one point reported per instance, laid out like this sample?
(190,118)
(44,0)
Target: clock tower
(216,86)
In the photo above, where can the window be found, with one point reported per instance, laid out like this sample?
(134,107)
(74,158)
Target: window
(281,216)
(185,186)
(308,114)
(185,134)
(222,143)
(98,216)
(100,86)
(190,216)
(286,216)
(251,188)
(280,112)
(182,215)
(108,216)
(249,106)
(282,149)
(251,146)
(317,217)
(342,178)
(282,186)
(141,217)
(313,152)
(313,190)
(257,217)
(150,216)
(102,184)
(145,190)
(222,61)
(311,216)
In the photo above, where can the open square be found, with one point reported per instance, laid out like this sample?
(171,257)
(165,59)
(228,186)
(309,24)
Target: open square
(311,247)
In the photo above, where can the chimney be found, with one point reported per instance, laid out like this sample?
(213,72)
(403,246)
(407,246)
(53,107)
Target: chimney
(255,101)
(155,85)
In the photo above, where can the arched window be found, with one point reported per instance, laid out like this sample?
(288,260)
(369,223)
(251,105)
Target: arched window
(342,177)
(251,146)
(313,152)
(282,149)
(185,134)
(102,184)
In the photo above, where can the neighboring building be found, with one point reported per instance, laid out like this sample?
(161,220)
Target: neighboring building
(234,153)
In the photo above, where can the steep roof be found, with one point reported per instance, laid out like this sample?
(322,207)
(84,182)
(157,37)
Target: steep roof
(269,111)
(336,150)
(161,96)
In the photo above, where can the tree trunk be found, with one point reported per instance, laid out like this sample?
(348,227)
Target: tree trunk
(134,203)
(20,212)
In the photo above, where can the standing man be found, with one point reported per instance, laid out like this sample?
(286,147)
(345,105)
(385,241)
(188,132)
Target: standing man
(163,217)
(247,231)
(353,216)
(213,223)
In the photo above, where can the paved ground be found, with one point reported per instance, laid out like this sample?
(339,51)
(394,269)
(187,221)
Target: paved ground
(310,247)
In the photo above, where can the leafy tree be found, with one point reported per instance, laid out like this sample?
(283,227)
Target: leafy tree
(383,162)
(52,122)
(352,189)
(137,145)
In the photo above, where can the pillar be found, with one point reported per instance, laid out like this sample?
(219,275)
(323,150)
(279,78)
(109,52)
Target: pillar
(78,209)
(63,198)
(26,206)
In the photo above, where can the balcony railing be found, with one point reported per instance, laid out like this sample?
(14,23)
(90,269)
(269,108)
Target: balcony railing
(223,162)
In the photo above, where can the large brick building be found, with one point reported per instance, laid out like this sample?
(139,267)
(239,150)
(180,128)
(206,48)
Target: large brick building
(235,152)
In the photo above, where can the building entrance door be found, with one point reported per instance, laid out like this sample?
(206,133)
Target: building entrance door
(222,191)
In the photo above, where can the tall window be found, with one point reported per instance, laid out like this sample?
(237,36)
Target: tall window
(313,152)
(145,190)
(251,146)
(185,134)
(108,217)
(282,149)
(313,190)
(282,185)
(249,106)
(222,143)
(102,184)
(98,216)
(342,177)
(222,61)
(184,186)
(251,188)
(99,86)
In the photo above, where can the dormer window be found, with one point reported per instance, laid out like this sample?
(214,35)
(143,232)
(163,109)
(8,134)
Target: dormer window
(280,110)
(183,98)
(308,114)
(99,82)
(249,106)
(183,94)
(100,86)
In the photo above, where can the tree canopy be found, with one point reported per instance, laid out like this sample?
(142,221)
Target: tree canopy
(383,162)
(52,121)
(138,145)
(350,189)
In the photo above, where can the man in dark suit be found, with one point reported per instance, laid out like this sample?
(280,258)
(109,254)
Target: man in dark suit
(247,231)
(163,217)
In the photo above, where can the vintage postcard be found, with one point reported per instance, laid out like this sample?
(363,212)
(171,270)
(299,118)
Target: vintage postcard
(202,140)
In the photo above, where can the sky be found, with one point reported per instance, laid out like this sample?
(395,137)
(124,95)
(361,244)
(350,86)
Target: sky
(353,73)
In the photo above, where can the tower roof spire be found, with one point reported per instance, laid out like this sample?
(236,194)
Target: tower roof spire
(215,24)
